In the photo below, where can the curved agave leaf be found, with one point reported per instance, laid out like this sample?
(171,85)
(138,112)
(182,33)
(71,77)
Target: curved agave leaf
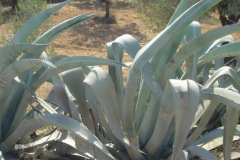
(183,155)
(51,34)
(231,120)
(213,45)
(192,46)
(221,52)
(44,105)
(70,63)
(221,95)
(131,46)
(202,123)
(182,7)
(193,30)
(54,32)
(64,122)
(98,80)
(13,70)
(39,72)
(145,54)
(74,81)
(57,136)
(1,156)
(34,22)
(201,152)
(224,71)
(204,140)
(60,96)
(183,104)
(14,50)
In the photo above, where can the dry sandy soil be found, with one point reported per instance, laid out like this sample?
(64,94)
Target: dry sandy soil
(90,37)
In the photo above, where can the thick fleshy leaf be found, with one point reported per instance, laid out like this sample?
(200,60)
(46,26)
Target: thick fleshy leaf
(185,98)
(54,32)
(191,47)
(70,63)
(229,50)
(168,34)
(13,70)
(64,122)
(205,140)
(221,95)
(57,136)
(230,123)
(226,71)
(34,22)
(14,50)
(98,81)
(74,81)
(202,123)
(205,154)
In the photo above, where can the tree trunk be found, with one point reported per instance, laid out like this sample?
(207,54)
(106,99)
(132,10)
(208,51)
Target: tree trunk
(107,8)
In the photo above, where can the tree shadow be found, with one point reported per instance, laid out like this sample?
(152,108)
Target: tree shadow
(7,13)
(97,5)
(97,33)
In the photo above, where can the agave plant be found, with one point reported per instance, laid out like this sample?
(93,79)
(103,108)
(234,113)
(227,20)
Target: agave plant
(163,112)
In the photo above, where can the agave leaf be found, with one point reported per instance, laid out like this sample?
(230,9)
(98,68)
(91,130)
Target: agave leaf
(132,152)
(201,152)
(34,22)
(54,32)
(231,121)
(228,50)
(192,46)
(206,70)
(8,74)
(98,118)
(13,50)
(165,115)
(184,113)
(64,122)
(192,31)
(140,105)
(204,140)
(59,136)
(98,81)
(44,105)
(132,85)
(131,46)
(182,7)
(74,81)
(40,71)
(224,71)
(70,63)
(184,96)
(221,95)
(1,156)
(106,127)
(202,123)
(213,45)
(168,34)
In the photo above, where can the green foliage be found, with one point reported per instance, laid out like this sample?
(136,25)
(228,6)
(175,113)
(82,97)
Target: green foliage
(28,8)
(1,13)
(155,13)
(161,113)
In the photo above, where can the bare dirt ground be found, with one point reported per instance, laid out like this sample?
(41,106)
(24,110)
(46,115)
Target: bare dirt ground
(90,37)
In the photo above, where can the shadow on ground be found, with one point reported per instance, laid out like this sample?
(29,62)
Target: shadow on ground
(97,32)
